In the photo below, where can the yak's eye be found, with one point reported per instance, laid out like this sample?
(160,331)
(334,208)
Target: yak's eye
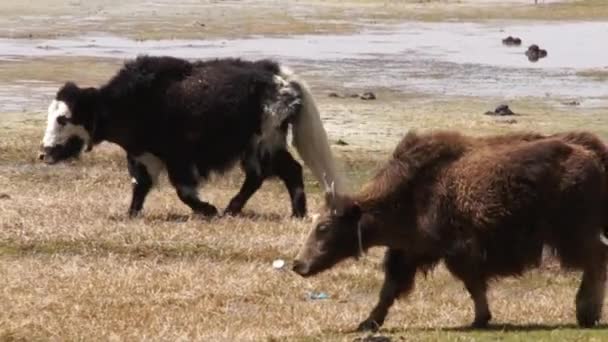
(62,120)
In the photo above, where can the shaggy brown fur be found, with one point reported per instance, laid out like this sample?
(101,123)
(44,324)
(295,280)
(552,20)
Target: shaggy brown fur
(485,206)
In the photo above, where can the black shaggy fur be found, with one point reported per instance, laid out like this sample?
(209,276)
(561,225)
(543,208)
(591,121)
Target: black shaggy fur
(196,118)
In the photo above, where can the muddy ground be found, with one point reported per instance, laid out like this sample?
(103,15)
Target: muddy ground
(428,69)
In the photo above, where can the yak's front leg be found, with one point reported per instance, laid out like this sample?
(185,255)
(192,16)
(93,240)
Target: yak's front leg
(399,275)
(185,180)
(476,284)
(144,171)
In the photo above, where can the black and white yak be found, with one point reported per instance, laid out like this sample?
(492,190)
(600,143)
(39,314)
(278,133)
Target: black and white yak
(194,118)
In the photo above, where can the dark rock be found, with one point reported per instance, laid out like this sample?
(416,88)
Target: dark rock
(367,96)
(535,53)
(5,196)
(572,103)
(502,110)
(341,142)
(372,338)
(363,96)
(511,41)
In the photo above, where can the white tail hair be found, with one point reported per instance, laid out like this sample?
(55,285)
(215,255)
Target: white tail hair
(310,138)
(604,238)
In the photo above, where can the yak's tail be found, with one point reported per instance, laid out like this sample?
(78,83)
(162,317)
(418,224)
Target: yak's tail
(310,138)
(604,238)
(592,143)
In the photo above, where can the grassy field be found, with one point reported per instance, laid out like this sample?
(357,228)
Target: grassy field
(73,267)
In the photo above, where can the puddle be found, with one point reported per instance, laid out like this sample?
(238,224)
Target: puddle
(448,59)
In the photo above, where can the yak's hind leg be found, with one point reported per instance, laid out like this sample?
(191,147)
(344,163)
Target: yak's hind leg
(590,295)
(269,157)
(290,172)
(281,164)
(253,181)
(476,285)
(399,275)
(185,179)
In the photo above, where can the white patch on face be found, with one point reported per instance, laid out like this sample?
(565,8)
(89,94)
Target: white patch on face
(57,134)
(154,166)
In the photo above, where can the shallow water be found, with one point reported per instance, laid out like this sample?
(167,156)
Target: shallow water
(450,59)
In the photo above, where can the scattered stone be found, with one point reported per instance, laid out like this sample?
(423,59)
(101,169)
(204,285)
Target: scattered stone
(367,96)
(278,264)
(341,142)
(5,196)
(502,110)
(508,121)
(511,41)
(535,53)
(372,338)
(571,103)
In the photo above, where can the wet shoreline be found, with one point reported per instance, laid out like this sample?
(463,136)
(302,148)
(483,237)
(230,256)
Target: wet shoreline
(434,59)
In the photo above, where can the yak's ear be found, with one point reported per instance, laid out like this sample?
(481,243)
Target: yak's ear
(69,92)
(344,207)
(352,210)
(330,200)
(335,202)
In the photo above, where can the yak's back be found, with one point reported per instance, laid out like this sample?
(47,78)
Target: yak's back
(476,162)
(145,75)
(415,156)
(589,141)
(500,184)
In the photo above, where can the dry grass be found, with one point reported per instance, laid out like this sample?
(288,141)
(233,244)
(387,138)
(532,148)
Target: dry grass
(74,268)
(91,71)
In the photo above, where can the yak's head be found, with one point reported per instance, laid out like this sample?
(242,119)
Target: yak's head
(336,235)
(70,123)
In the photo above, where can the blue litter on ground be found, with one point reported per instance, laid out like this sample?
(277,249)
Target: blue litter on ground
(318,295)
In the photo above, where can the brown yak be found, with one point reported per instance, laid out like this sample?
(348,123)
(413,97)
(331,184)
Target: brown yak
(485,206)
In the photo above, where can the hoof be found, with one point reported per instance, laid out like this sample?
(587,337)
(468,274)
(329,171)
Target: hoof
(207,211)
(481,322)
(298,214)
(234,208)
(232,212)
(368,325)
(587,320)
(133,213)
